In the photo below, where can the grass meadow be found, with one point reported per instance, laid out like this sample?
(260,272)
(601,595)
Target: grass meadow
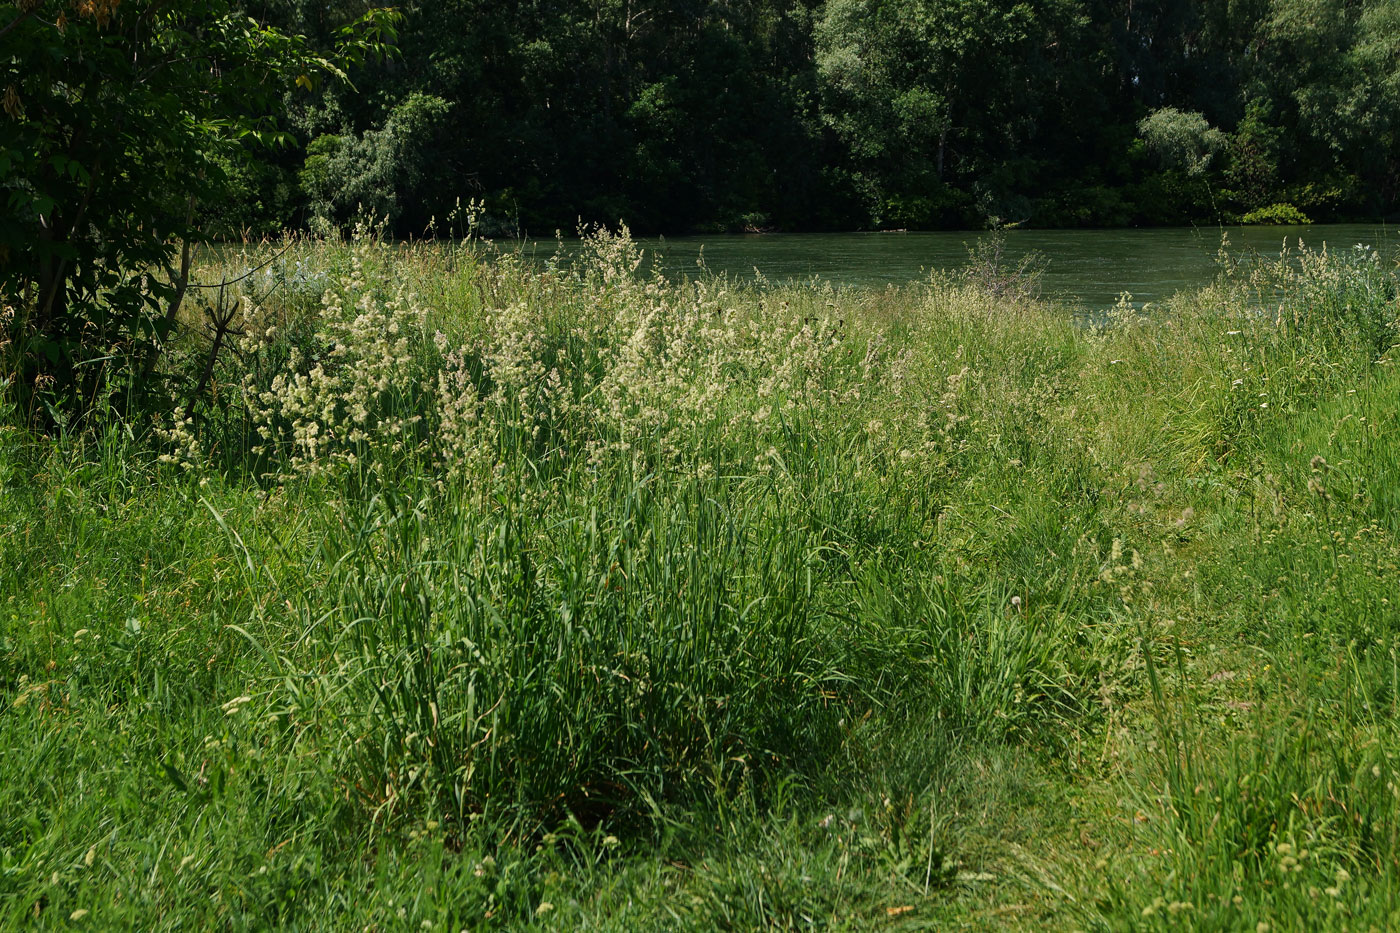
(464,594)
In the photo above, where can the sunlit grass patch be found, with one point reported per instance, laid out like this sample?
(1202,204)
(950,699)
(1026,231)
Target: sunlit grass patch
(526,597)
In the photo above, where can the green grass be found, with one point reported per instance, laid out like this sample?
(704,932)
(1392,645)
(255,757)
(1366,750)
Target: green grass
(479,597)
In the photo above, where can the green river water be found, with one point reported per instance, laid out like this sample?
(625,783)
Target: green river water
(1087,268)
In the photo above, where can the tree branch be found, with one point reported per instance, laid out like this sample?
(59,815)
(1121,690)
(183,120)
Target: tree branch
(23,15)
(181,281)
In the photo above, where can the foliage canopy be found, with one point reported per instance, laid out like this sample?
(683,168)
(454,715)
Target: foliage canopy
(126,122)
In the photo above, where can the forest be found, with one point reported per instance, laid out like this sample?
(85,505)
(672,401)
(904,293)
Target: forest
(690,115)
(680,116)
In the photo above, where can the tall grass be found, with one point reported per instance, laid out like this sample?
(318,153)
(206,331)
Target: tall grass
(526,596)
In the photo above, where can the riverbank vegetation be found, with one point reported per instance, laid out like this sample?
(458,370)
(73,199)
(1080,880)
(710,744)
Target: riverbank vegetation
(858,114)
(353,583)
(428,590)
(707,116)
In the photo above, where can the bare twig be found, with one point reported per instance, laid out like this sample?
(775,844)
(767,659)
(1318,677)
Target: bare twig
(220,317)
(258,268)
(221,321)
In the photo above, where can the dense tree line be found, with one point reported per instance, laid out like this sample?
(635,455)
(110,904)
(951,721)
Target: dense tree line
(811,114)
(684,115)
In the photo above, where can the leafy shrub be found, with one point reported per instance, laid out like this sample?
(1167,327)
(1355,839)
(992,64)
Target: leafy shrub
(988,268)
(385,172)
(1283,214)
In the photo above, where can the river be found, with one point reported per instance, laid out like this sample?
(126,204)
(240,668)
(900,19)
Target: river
(1087,268)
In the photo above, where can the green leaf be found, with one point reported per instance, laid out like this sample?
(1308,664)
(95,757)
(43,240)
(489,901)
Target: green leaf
(175,778)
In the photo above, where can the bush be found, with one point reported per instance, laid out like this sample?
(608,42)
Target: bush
(1282,214)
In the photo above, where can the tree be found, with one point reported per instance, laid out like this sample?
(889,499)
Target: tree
(122,119)
(1181,140)
(929,94)
(378,170)
(1335,70)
